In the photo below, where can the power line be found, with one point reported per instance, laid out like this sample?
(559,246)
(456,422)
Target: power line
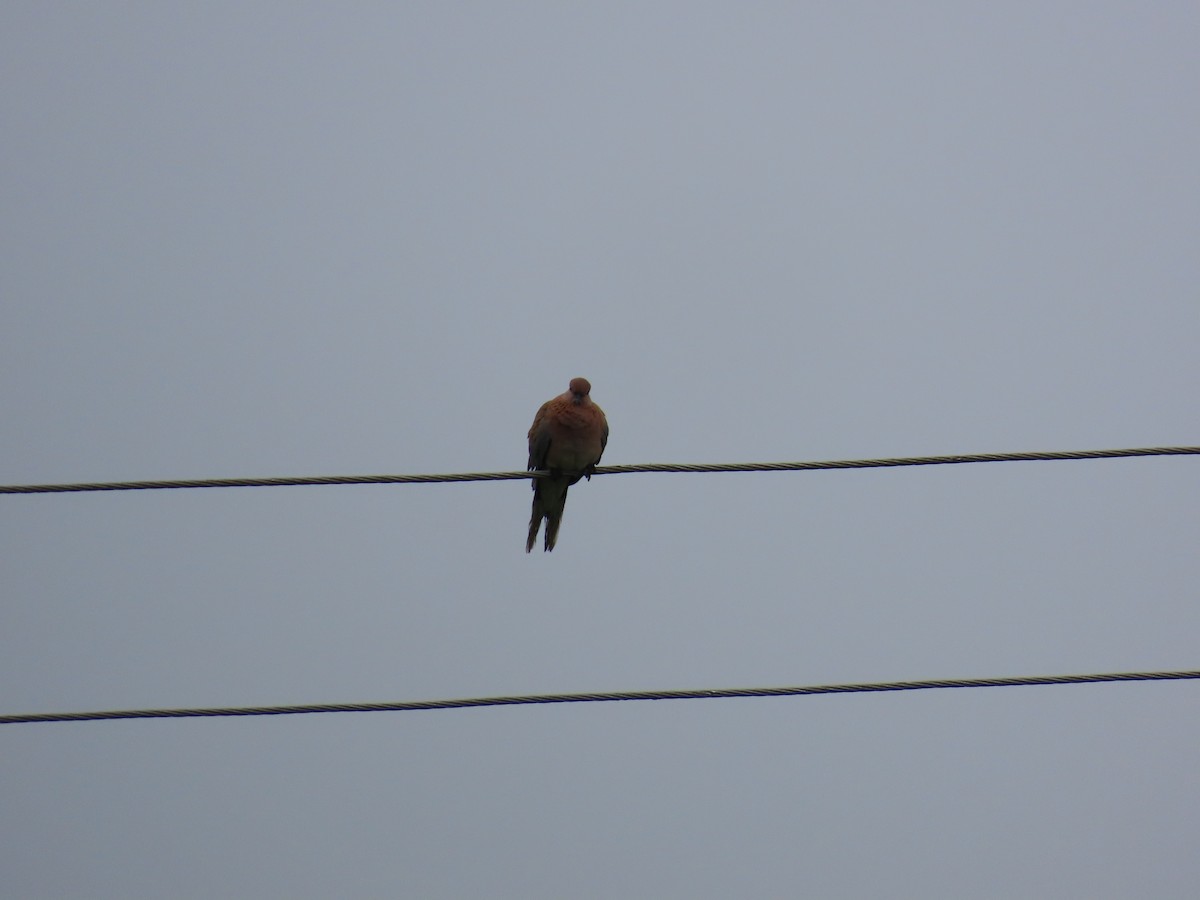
(601,470)
(531,699)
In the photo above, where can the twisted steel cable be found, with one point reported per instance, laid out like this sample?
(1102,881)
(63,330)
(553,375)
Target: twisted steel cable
(601,470)
(532,699)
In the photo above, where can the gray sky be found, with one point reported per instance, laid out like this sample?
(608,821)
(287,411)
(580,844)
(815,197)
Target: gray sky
(297,239)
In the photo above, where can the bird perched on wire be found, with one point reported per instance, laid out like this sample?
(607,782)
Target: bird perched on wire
(567,437)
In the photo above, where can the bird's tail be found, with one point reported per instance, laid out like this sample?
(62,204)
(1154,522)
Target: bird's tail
(535,522)
(549,501)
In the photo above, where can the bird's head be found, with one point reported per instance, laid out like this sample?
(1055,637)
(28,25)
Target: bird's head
(580,388)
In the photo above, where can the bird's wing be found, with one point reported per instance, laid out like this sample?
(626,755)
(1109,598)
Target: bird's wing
(539,438)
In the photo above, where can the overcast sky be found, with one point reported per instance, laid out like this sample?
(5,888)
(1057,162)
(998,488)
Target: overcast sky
(267,239)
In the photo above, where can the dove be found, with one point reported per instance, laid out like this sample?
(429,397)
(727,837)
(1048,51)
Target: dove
(567,437)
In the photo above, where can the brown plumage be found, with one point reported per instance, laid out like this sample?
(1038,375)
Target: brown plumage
(567,437)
